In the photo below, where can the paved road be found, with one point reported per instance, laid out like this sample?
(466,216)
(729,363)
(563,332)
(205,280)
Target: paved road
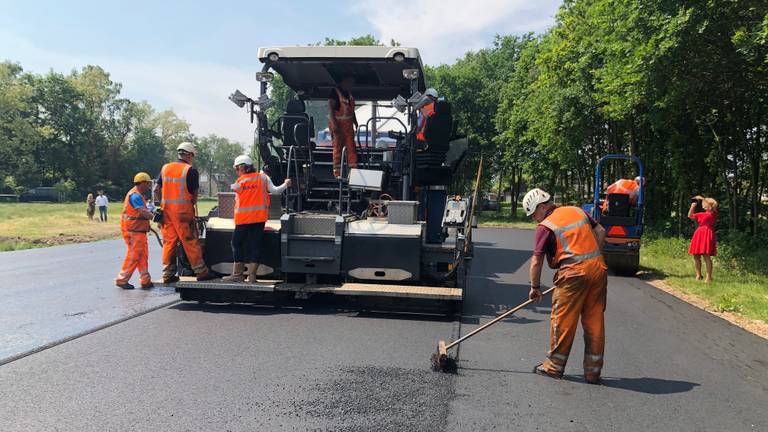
(669,366)
(54,293)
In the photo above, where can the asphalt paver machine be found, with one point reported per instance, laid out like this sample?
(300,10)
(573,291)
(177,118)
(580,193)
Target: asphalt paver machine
(387,235)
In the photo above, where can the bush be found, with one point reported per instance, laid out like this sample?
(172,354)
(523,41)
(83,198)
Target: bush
(65,189)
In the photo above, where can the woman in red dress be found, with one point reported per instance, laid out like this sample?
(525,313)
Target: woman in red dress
(704,241)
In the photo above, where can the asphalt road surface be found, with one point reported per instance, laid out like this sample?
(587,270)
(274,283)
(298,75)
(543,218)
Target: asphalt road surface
(49,295)
(668,366)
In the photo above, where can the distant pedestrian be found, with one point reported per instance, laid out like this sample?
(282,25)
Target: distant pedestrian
(90,209)
(704,241)
(101,203)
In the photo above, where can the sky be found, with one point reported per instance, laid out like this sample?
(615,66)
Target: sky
(189,56)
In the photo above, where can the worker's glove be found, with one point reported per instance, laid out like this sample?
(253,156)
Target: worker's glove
(235,186)
(151,207)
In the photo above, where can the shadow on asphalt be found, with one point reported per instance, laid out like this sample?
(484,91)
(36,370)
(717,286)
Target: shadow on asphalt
(654,386)
(325,308)
(489,298)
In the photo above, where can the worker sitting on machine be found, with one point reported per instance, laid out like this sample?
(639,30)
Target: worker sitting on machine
(426,111)
(627,187)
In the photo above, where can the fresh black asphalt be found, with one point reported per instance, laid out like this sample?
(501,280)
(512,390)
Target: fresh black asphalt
(669,366)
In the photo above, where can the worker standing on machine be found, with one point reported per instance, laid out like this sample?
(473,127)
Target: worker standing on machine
(571,242)
(177,186)
(252,191)
(135,226)
(426,111)
(342,123)
(625,187)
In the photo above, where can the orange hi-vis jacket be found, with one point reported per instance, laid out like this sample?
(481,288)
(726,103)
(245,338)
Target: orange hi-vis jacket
(624,186)
(251,199)
(176,198)
(346,109)
(132,220)
(427,111)
(575,240)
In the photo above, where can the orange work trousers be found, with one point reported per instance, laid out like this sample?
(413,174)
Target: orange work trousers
(181,228)
(343,137)
(580,292)
(137,257)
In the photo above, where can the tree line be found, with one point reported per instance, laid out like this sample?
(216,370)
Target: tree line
(76,132)
(683,85)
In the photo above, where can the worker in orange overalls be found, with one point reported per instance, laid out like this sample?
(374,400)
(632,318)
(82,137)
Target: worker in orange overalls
(177,186)
(571,242)
(426,111)
(626,187)
(252,191)
(135,226)
(342,123)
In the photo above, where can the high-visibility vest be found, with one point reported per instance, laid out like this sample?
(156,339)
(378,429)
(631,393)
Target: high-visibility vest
(175,196)
(251,199)
(573,232)
(132,220)
(622,186)
(346,111)
(427,111)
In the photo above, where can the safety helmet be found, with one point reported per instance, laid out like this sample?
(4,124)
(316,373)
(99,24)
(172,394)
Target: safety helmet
(142,177)
(242,160)
(187,147)
(431,92)
(533,198)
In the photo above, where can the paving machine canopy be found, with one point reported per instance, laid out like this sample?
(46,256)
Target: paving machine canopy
(312,72)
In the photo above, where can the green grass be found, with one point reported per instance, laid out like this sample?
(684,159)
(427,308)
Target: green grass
(29,225)
(503,218)
(740,280)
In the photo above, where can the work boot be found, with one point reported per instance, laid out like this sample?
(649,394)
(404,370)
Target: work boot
(540,370)
(205,276)
(253,269)
(170,279)
(125,286)
(147,285)
(237,273)
(592,379)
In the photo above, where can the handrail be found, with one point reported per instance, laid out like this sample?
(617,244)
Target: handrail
(292,155)
(341,174)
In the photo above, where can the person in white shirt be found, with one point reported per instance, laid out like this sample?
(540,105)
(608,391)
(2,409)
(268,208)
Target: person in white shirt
(101,203)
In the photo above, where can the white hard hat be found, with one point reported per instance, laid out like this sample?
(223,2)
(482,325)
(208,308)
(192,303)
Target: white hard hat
(242,160)
(431,92)
(187,147)
(533,198)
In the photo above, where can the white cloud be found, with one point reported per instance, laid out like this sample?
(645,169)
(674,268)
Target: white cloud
(444,30)
(196,91)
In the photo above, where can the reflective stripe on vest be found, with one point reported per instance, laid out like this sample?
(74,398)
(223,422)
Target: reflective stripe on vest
(575,240)
(131,218)
(175,196)
(251,199)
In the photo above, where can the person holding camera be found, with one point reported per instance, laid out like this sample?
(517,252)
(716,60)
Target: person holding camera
(704,241)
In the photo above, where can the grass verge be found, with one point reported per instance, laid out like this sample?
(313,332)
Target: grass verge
(738,287)
(503,218)
(30,225)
